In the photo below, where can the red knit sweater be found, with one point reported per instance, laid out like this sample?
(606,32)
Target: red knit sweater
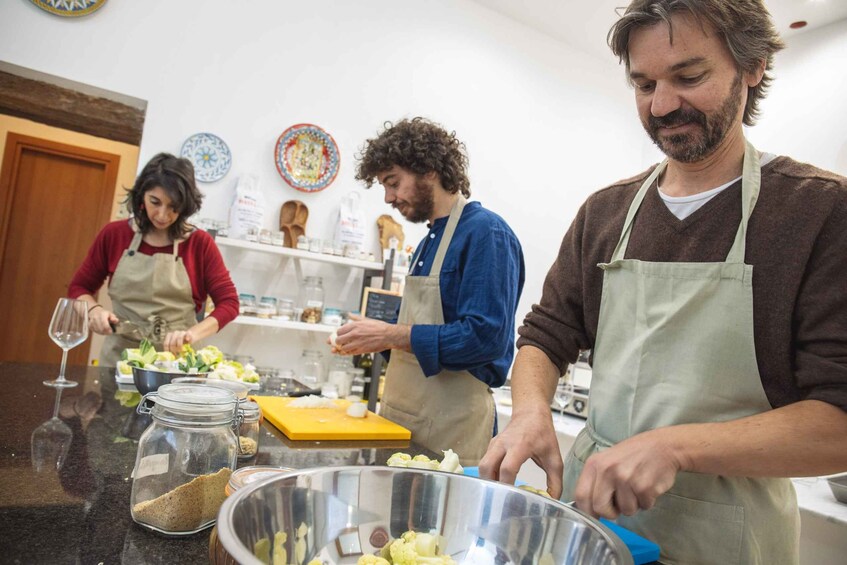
(202,259)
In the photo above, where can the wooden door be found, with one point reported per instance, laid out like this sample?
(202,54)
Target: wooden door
(54,198)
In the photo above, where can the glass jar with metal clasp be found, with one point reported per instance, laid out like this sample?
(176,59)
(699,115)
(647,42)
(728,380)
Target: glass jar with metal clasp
(185,457)
(248,412)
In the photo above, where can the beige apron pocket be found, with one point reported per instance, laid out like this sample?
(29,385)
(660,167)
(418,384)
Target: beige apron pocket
(690,531)
(420,426)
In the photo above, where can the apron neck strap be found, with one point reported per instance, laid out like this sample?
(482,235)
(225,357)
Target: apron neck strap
(751,182)
(138,237)
(447,236)
(136,241)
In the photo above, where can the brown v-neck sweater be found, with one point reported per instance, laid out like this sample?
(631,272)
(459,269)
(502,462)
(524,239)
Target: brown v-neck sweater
(796,243)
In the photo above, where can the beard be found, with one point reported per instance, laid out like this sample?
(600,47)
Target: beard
(692,147)
(419,209)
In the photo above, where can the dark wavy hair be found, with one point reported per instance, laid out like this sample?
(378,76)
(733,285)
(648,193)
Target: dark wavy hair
(420,146)
(744,25)
(176,177)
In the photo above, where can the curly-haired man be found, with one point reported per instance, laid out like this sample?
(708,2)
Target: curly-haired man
(454,339)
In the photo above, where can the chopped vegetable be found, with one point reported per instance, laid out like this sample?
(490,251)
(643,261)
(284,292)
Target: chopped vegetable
(535,490)
(411,548)
(450,463)
(141,357)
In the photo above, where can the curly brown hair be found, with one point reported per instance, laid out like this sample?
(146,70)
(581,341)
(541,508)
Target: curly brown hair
(176,177)
(744,25)
(420,146)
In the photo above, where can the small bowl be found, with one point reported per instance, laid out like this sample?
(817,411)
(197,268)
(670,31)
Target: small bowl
(148,380)
(838,486)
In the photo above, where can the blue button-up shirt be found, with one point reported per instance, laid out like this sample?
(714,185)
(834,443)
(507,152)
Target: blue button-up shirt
(481,281)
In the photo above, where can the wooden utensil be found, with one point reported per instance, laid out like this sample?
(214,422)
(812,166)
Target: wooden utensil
(292,221)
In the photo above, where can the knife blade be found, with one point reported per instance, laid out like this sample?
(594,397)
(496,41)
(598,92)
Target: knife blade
(128,329)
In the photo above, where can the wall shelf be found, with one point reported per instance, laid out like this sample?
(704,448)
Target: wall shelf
(286,325)
(298,253)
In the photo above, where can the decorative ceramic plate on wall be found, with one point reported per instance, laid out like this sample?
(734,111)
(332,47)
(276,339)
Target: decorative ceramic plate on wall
(69,8)
(209,155)
(306,157)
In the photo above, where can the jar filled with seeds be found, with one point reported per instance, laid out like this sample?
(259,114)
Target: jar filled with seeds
(185,457)
(248,432)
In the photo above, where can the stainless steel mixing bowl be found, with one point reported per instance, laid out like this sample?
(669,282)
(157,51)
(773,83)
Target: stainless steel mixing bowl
(337,514)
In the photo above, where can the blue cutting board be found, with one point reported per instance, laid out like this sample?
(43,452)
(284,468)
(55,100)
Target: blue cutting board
(643,550)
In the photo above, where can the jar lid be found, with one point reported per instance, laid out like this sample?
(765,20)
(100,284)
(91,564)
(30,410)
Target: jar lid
(250,409)
(249,475)
(196,400)
(238,389)
(328,311)
(269,299)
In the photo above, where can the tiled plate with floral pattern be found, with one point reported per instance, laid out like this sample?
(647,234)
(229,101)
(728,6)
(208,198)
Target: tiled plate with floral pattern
(209,155)
(307,157)
(69,8)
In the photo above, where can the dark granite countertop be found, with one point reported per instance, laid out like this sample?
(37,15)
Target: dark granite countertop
(80,513)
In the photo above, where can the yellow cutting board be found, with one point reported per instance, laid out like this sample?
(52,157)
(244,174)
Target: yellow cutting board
(326,423)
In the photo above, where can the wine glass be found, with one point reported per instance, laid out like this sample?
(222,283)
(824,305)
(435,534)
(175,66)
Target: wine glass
(68,328)
(564,392)
(51,441)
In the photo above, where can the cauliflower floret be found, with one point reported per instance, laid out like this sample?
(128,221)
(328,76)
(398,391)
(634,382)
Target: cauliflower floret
(450,463)
(399,460)
(372,560)
(535,490)
(165,356)
(403,550)
(224,372)
(413,548)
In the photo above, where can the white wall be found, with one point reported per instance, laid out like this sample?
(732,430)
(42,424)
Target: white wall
(804,115)
(544,124)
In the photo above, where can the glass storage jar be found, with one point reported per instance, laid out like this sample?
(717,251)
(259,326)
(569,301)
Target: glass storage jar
(285,310)
(185,458)
(247,304)
(313,300)
(311,368)
(248,431)
(246,408)
(332,316)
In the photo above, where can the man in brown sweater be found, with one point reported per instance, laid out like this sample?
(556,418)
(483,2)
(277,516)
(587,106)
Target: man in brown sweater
(711,291)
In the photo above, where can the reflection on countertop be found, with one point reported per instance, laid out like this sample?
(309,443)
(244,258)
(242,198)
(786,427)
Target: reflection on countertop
(78,511)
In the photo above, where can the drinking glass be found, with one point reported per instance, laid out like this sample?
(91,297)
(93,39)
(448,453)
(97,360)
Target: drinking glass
(564,393)
(68,328)
(51,441)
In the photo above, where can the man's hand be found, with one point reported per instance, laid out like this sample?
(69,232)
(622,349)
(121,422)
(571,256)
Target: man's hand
(365,335)
(175,340)
(529,436)
(99,320)
(628,476)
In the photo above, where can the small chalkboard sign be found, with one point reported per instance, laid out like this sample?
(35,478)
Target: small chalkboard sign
(381,304)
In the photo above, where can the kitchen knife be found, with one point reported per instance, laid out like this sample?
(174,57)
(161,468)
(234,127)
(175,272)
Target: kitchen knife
(128,329)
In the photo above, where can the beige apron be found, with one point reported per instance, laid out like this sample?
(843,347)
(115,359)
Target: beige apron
(675,346)
(154,292)
(450,410)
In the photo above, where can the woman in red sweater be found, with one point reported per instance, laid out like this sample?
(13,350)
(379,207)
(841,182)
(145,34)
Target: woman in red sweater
(160,268)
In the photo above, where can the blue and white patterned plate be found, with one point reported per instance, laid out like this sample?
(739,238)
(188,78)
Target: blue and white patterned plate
(209,155)
(69,8)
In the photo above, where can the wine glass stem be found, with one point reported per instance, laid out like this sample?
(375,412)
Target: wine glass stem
(64,362)
(56,404)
